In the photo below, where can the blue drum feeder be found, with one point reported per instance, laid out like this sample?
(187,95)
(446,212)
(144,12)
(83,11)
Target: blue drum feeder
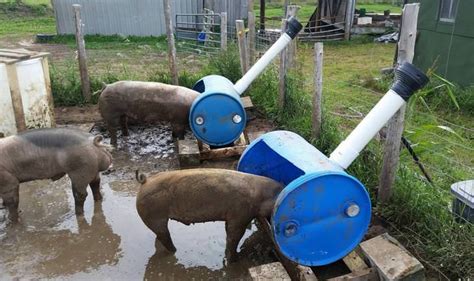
(217,117)
(323,212)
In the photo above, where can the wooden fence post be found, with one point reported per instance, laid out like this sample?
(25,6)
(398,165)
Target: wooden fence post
(81,54)
(291,50)
(224,31)
(282,72)
(171,44)
(349,19)
(251,37)
(240,29)
(406,52)
(318,88)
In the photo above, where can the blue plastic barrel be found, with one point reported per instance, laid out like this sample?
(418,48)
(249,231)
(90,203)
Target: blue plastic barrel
(217,117)
(323,213)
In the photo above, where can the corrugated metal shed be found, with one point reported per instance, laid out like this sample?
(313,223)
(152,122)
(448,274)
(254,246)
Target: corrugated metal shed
(446,46)
(136,17)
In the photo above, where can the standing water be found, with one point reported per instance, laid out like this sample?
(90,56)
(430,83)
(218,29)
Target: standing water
(111,242)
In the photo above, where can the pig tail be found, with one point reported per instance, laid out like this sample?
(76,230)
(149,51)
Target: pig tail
(141,178)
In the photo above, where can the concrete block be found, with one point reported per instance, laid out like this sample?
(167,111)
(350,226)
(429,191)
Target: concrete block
(188,152)
(392,261)
(270,271)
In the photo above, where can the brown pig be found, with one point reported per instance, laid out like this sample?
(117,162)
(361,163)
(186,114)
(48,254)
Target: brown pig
(146,102)
(202,195)
(51,154)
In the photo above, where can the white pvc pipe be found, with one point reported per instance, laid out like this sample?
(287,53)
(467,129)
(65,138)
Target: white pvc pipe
(260,65)
(349,149)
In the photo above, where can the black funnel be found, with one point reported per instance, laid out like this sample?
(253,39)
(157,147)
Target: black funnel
(293,27)
(408,80)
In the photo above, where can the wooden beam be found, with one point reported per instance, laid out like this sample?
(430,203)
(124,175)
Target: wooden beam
(406,52)
(81,54)
(318,89)
(262,15)
(251,38)
(171,44)
(16,97)
(224,31)
(240,28)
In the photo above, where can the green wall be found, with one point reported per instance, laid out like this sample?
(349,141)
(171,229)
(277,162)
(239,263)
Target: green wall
(446,47)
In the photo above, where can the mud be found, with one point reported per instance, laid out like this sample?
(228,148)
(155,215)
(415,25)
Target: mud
(111,242)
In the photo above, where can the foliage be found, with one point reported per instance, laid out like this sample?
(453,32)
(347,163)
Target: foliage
(226,63)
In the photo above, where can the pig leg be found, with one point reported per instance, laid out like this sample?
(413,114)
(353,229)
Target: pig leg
(95,187)
(124,125)
(160,228)
(9,191)
(178,131)
(235,229)
(113,135)
(79,190)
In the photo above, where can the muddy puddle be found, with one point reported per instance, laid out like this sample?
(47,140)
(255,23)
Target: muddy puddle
(110,242)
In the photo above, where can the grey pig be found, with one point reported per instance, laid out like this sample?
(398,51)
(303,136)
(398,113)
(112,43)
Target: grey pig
(202,195)
(146,102)
(51,154)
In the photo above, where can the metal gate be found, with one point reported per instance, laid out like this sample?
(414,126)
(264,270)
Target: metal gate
(198,33)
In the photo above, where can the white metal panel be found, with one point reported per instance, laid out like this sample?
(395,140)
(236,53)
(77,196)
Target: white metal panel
(33,91)
(7,115)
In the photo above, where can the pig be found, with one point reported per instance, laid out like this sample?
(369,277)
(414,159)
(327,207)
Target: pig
(202,195)
(146,102)
(51,154)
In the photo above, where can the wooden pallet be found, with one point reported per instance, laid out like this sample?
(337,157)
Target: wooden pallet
(191,151)
(387,260)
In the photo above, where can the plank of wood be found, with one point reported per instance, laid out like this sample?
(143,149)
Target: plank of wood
(8,60)
(14,55)
(251,136)
(223,152)
(241,140)
(270,271)
(247,102)
(49,94)
(354,262)
(368,274)
(16,97)
(81,53)
(296,271)
(18,51)
(188,152)
(391,261)
(406,52)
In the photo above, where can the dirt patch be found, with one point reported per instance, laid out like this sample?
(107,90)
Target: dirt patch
(77,114)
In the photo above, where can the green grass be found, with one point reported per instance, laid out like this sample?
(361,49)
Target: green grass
(418,212)
(307,9)
(116,42)
(26,19)
(379,8)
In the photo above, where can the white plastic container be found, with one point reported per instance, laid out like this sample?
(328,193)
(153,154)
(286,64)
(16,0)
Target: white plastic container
(463,202)
(25,91)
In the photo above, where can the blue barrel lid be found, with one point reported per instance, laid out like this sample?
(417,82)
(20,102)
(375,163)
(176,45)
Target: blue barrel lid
(321,217)
(217,116)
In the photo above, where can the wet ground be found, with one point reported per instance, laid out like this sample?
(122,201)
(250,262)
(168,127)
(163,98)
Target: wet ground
(110,242)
